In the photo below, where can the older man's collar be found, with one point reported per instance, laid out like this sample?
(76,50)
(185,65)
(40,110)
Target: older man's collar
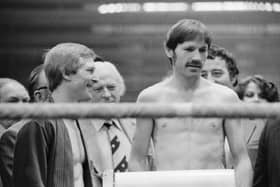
(98,123)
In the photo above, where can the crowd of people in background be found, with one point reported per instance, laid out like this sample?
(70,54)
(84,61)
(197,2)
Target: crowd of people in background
(75,153)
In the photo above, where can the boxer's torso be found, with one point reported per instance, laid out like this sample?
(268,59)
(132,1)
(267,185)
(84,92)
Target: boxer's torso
(188,143)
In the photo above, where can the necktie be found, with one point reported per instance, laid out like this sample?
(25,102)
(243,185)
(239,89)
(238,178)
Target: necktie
(119,156)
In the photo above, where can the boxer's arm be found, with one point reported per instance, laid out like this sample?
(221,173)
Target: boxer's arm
(140,145)
(139,151)
(241,161)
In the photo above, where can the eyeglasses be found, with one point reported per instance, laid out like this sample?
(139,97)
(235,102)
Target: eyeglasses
(42,88)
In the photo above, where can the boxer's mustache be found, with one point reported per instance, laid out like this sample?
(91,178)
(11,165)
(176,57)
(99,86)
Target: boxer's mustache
(194,63)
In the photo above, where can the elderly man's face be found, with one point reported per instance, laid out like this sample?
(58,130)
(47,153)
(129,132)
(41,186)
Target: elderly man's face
(12,93)
(106,90)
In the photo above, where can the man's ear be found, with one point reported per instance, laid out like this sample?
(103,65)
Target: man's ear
(66,76)
(169,52)
(37,95)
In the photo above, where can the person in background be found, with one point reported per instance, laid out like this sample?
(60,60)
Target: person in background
(220,67)
(11,91)
(53,153)
(38,87)
(255,89)
(109,139)
(110,86)
(39,92)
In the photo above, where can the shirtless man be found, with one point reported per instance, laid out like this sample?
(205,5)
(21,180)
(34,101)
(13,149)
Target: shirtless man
(187,143)
(51,153)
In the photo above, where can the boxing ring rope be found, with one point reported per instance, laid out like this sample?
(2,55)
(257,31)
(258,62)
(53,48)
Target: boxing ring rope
(143,110)
(190,178)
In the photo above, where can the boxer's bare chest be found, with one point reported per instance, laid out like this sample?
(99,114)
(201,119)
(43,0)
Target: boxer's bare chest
(188,131)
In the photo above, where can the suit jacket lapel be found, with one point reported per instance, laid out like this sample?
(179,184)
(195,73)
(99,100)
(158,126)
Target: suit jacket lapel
(90,176)
(128,126)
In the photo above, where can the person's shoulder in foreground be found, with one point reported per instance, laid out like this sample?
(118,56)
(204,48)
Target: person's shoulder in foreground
(221,92)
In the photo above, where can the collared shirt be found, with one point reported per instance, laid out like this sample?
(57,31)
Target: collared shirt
(99,124)
(103,159)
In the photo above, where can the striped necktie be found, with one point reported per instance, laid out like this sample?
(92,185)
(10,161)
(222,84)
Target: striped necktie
(120,163)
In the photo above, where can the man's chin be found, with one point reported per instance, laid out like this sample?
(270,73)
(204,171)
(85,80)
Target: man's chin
(191,73)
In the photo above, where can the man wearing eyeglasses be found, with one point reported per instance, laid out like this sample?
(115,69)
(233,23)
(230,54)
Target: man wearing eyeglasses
(38,87)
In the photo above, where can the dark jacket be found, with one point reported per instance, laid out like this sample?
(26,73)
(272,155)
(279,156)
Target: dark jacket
(267,168)
(7,146)
(43,156)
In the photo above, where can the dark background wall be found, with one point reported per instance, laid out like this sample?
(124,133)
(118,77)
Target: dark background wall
(133,41)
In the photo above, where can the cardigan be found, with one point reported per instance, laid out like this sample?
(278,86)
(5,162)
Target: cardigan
(7,146)
(43,156)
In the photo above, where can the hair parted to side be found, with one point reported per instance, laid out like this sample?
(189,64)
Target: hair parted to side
(186,30)
(231,64)
(64,58)
(107,68)
(268,89)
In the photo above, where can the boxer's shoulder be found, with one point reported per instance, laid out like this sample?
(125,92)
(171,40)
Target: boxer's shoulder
(218,92)
(153,93)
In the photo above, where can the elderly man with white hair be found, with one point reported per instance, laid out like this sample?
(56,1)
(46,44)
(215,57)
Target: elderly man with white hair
(109,139)
(110,86)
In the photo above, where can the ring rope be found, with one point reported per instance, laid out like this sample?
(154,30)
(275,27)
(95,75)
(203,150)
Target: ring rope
(140,110)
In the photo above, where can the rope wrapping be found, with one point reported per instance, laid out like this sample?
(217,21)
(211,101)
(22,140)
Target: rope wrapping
(140,110)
